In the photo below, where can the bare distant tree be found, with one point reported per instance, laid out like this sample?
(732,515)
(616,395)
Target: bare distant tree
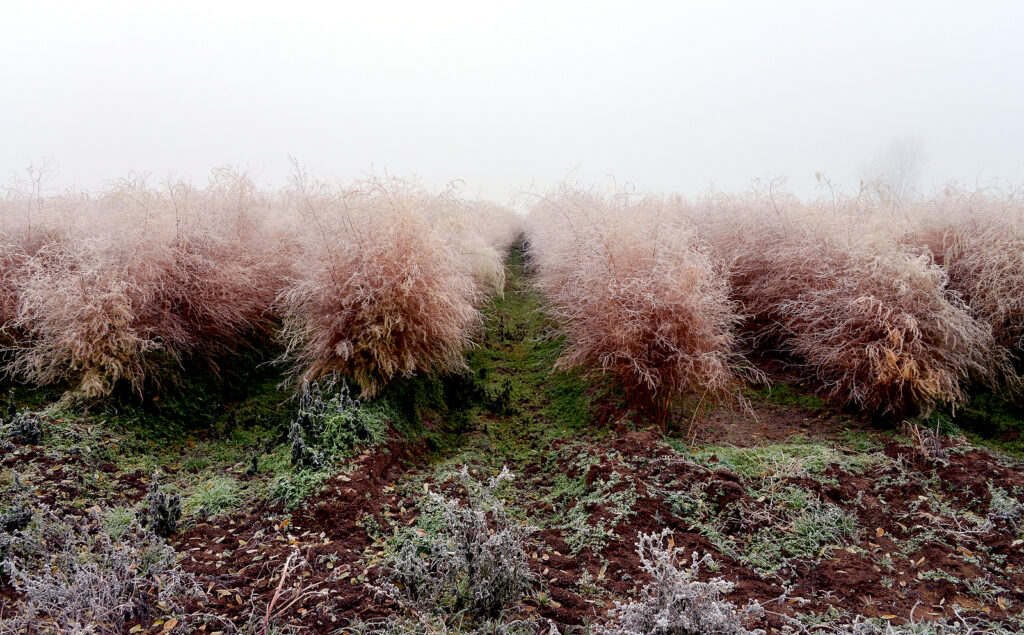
(898,165)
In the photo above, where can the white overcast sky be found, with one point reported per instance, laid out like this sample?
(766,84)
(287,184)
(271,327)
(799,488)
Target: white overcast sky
(512,95)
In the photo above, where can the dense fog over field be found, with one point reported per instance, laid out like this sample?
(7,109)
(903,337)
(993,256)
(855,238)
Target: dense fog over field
(513,96)
(515,318)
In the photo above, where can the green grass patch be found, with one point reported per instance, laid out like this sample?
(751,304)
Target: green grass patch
(526,404)
(213,497)
(784,460)
(117,521)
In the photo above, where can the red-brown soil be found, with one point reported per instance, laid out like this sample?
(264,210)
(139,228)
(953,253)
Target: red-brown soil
(238,560)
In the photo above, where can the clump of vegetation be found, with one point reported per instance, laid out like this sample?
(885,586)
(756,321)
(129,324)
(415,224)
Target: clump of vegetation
(306,430)
(978,238)
(16,518)
(426,625)
(325,427)
(217,496)
(118,521)
(12,521)
(291,488)
(9,408)
(26,428)
(780,461)
(162,511)
(329,424)
(588,507)
(778,520)
(638,293)
(1005,506)
(958,625)
(473,567)
(122,287)
(677,603)
(303,453)
(72,579)
(831,284)
(481,233)
(384,295)
(142,277)
(778,527)
(799,527)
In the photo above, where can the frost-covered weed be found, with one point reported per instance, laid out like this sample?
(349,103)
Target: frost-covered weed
(73,579)
(677,603)
(576,501)
(12,521)
(306,429)
(217,496)
(1005,506)
(429,625)
(943,626)
(26,428)
(474,567)
(326,427)
(329,424)
(292,488)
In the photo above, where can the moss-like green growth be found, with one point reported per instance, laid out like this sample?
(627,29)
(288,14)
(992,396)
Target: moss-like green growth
(994,421)
(783,460)
(292,488)
(526,404)
(575,501)
(788,396)
(243,392)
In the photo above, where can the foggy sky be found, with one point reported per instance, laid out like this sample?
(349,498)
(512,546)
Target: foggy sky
(512,96)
